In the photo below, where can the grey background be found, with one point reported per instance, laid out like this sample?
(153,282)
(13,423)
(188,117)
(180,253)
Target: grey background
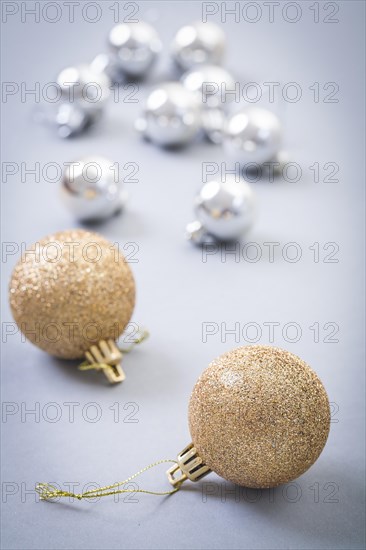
(177,292)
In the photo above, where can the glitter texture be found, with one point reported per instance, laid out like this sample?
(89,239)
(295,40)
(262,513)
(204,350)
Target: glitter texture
(71,290)
(259,416)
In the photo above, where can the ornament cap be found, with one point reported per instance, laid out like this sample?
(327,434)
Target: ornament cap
(197,234)
(107,357)
(189,466)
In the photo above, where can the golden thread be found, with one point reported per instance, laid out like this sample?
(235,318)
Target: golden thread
(142,335)
(47,491)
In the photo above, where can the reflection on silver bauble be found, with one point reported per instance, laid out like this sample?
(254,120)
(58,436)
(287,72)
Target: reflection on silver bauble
(172,115)
(224,210)
(92,189)
(70,119)
(84,86)
(210,82)
(83,94)
(108,63)
(213,122)
(252,135)
(198,43)
(135,46)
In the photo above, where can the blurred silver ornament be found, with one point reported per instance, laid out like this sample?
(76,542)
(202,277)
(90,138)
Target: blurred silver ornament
(225,211)
(70,119)
(211,83)
(213,122)
(171,117)
(108,63)
(83,95)
(92,188)
(84,86)
(134,47)
(253,135)
(198,43)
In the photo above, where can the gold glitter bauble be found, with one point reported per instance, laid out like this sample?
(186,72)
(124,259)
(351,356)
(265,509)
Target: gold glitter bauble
(259,416)
(71,290)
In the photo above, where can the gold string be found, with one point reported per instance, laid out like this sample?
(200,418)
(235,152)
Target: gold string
(141,336)
(47,491)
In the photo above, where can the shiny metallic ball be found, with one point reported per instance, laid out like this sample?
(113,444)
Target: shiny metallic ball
(198,43)
(253,135)
(92,189)
(84,92)
(135,47)
(71,119)
(224,210)
(108,63)
(210,82)
(84,86)
(172,115)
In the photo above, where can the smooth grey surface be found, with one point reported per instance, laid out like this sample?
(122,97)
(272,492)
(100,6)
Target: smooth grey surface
(177,292)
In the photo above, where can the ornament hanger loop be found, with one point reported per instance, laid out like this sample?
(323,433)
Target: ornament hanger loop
(189,465)
(107,357)
(47,491)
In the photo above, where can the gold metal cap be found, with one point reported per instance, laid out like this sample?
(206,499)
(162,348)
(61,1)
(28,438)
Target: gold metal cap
(190,466)
(108,356)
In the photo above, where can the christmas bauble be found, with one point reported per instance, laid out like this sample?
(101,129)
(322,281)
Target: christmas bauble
(198,43)
(252,135)
(84,92)
(225,210)
(84,86)
(92,188)
(70,291)
(69,119)
(172,115)
(108,63)
(135,47)
(211,83)
(258,416)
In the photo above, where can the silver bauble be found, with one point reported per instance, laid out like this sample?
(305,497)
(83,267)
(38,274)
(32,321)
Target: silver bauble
(83,94)
(84,86)
(198,43)
(135,47)
(172,115)
(92,188)
(211,84)
(225,211)
(70,119)
(108,63)
(252,135)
